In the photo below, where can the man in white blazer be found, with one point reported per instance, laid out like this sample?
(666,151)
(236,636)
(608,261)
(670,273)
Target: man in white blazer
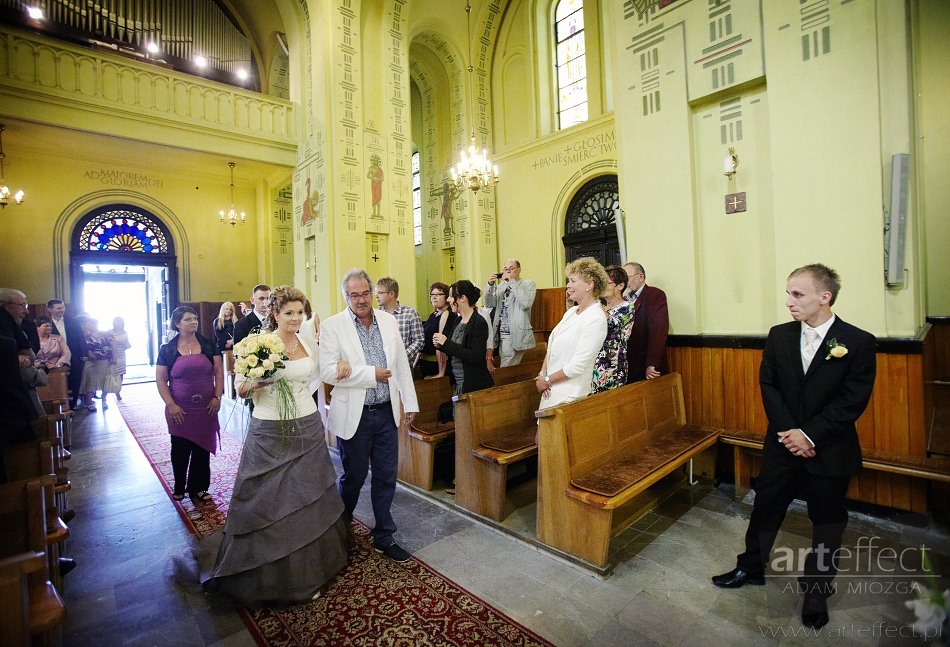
(364,407)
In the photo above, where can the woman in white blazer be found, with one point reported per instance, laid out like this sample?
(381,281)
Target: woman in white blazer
(575,342)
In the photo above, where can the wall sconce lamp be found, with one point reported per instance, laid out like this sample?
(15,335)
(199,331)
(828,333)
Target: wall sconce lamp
(730,163)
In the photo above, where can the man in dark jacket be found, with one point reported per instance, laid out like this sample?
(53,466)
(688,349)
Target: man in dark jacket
(71,332)
(646,348)
(816,376)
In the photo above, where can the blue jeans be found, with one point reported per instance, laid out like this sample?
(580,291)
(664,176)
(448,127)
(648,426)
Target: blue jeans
(377,440)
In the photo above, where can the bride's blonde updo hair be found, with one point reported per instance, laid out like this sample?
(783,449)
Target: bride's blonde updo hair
(279,297)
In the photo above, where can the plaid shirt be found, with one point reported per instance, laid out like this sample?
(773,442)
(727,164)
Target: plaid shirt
(410,329)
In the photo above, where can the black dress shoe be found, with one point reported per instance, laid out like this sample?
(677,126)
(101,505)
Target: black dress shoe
(815,611)
(66,565)
(68,515)
(736,578)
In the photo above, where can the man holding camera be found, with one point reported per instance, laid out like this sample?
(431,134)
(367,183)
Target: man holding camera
(512,298)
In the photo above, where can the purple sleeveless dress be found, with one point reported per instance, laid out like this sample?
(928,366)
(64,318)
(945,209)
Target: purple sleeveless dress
(192,385)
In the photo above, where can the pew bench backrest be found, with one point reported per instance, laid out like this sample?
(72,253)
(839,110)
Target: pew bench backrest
(615,422)
(598,455)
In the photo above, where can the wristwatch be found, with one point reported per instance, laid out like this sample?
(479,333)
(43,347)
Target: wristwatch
(547,378)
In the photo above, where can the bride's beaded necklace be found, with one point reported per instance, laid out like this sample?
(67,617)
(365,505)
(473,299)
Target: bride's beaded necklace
(292,351)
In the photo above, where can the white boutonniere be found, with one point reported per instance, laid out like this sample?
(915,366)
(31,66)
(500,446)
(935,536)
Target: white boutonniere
(836,350)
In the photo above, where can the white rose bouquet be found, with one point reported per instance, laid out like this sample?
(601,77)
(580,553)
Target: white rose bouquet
(259,357)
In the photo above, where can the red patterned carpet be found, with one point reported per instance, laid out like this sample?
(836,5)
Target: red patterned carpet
(144,414)
(373,601)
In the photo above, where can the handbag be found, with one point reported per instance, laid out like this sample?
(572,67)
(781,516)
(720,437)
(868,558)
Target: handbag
(446,412)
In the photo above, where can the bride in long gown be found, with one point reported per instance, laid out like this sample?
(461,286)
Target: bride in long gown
(284,537)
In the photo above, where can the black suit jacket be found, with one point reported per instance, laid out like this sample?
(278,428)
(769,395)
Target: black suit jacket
(75,339)
(651,326)
(16,407)
(472,352)
(825,402)
(245,325)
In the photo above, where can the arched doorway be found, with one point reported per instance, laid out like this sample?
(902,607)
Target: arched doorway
(590,225)
(124,256)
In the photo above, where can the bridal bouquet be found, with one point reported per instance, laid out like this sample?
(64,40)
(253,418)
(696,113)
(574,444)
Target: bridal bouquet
(260,356)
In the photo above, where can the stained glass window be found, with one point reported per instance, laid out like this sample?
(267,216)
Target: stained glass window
(571,63)
(595,205)
(123,231)
(416,199)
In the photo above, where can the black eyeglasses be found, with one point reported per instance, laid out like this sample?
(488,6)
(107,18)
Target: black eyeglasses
(437,294)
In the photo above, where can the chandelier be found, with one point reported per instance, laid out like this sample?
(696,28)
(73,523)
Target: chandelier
(6,196)
(232,216)
(475,170)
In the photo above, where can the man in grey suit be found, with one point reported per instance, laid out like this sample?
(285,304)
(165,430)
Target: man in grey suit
(512,298)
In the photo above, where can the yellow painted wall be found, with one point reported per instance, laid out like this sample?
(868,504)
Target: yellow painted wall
(355,76)
(809,104)
(932,50)
(538,182)
(216,262)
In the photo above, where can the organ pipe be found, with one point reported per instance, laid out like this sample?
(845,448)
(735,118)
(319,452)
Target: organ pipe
(182,29)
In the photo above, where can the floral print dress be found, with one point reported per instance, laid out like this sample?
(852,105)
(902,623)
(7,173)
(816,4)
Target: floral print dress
(610,368)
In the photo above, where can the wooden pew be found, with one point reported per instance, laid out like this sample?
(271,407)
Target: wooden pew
(48,428)
(15,572)
(597,455)
(23,511)
(34,460)
(55,399)
(494,428)
(749,445)
(535,354)
(418,442)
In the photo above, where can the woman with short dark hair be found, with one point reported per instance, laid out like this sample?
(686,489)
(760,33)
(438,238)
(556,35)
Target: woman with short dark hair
(53,352)
(428,360)
(610,367)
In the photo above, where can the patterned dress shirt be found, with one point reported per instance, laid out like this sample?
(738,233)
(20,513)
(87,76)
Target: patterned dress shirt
(372,342)
(410,329)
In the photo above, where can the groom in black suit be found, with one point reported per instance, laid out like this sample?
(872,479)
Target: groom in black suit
(816,376)
(260,298)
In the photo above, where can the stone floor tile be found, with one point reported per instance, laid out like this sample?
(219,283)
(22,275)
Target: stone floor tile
(658,620)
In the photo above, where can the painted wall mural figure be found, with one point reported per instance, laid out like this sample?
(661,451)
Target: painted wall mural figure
(310,202)
(375,176)
(449,194)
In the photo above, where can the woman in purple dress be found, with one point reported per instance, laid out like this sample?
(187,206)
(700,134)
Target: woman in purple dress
(190,380)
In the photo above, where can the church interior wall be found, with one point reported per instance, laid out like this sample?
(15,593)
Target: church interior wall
(809,109)
(931,52)
(814,137)
(223,261)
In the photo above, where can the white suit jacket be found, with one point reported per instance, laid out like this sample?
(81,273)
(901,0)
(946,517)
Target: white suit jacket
(573,347)
(339,340)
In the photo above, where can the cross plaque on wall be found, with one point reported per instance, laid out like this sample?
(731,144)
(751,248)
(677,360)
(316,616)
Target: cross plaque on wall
(735,202)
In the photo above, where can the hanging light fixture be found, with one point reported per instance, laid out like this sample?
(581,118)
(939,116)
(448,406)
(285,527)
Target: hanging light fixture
(475,170)
(232,216)
(6,196)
